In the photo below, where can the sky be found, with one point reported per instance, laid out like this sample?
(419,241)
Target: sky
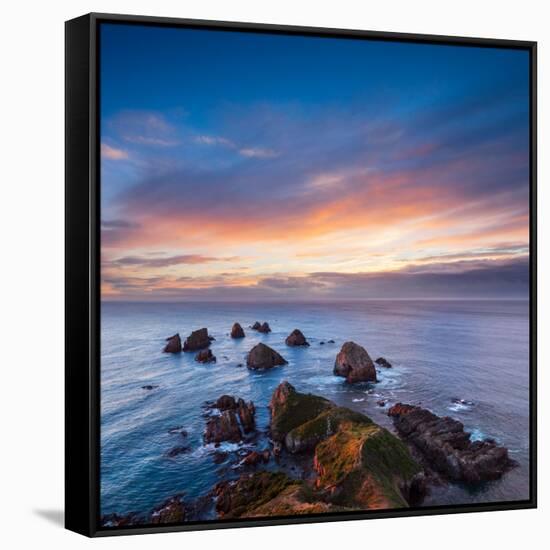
(245,166)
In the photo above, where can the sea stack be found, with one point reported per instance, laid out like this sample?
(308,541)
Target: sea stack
(354,364)
(197,340)
(296,338)
(237,331)
(263,357)
(173,344)
(265,328)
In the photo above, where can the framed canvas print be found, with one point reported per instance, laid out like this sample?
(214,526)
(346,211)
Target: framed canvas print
(301,274)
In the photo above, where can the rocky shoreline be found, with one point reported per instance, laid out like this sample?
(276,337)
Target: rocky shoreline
(347,462)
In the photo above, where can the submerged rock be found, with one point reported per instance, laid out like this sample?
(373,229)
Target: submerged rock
(296,338)
(447,448)
(175,451)
(197,340)
(237,331)
(263,357)
(205,356)
(354,364)
(173,345)
(149,387)
(383,362)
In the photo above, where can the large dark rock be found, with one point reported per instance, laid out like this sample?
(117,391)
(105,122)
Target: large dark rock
(205,356)
(197,340)
(237,331)
(447,448)
(224,427)
(354,364)
(263,357)
(296,338)
(173,344)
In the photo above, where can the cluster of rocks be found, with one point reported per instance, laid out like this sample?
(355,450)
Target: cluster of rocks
(352,362)
(234,418)
(261,327)
(449,449)
(358,464)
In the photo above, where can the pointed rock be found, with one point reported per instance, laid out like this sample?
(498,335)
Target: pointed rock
(263,357)
(354,364)
(296,338)
(237,331)
(173,345)
(197,340)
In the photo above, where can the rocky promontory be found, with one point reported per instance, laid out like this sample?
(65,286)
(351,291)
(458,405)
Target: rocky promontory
(358,463)
(354,364)
(449,449)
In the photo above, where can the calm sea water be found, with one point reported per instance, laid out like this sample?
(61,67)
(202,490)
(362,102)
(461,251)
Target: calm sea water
(472,350)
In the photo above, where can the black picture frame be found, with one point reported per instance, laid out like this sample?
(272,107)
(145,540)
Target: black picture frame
(82,274)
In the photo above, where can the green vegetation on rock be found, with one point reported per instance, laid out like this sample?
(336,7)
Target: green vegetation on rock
(306,436)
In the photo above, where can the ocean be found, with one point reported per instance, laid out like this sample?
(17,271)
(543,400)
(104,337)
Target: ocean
(477,351)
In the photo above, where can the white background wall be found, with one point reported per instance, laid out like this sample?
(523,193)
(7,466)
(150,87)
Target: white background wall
(31,285)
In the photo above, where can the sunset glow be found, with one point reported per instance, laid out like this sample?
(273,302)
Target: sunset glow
(270,168)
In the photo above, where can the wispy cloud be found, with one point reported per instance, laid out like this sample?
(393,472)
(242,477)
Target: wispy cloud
(190,259)
(258,152)
(113,153)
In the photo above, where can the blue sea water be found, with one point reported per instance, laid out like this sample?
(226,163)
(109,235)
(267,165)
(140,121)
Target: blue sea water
(440,350)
